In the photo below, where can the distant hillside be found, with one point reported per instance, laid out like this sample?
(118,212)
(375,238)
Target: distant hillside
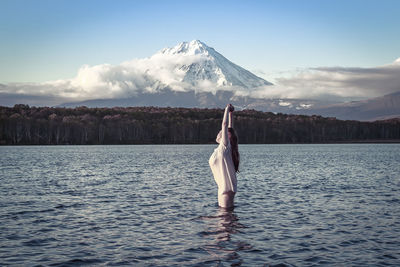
(372,109)
(22,124)
(379,108)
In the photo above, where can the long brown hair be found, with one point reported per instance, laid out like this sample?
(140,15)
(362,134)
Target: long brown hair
(234,146)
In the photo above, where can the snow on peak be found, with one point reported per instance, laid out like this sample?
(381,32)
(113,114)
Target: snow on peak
(194,47)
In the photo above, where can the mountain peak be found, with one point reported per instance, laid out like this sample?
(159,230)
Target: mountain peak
(197,43)
(193,47)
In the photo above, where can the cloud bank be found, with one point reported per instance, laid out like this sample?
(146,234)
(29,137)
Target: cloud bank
(117,81)
(160,71)
(337,83)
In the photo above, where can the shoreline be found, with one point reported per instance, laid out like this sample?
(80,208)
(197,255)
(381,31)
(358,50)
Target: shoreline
(371,141)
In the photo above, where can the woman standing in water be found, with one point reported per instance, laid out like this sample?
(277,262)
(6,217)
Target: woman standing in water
(224,162)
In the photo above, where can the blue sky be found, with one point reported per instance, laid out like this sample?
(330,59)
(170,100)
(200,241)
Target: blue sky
(46,40)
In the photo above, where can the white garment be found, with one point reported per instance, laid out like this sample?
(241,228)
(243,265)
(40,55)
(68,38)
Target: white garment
(222,167)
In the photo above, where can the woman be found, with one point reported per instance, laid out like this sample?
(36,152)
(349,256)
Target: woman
(224,162)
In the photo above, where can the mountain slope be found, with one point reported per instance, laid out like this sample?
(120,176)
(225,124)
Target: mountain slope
(367,110)
(372,109)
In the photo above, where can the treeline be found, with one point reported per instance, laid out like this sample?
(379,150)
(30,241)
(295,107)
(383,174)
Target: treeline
(24,125)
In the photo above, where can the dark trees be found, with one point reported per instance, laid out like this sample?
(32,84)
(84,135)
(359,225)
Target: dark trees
(22,124)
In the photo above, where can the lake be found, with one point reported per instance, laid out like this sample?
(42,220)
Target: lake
(156,205)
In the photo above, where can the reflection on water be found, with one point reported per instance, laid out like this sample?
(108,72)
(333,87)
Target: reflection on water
(222,242)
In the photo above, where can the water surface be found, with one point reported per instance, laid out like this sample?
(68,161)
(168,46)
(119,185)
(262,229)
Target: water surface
(297,205)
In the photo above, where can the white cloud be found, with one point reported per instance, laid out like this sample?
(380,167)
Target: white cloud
(285,104)
(114,81)
(337,83)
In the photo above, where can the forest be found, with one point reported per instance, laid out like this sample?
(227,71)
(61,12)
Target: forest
(24,125)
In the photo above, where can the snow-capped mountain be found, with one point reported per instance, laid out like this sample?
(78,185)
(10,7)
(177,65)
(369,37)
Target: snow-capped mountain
(196,64)
(189,66)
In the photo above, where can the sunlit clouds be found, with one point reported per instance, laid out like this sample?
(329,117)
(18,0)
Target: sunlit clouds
(168,71)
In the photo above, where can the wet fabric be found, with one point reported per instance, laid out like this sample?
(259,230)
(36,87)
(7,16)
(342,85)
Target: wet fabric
(222,167)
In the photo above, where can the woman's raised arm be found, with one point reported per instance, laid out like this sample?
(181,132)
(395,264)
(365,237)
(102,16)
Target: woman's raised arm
(224,126)
(230,125)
